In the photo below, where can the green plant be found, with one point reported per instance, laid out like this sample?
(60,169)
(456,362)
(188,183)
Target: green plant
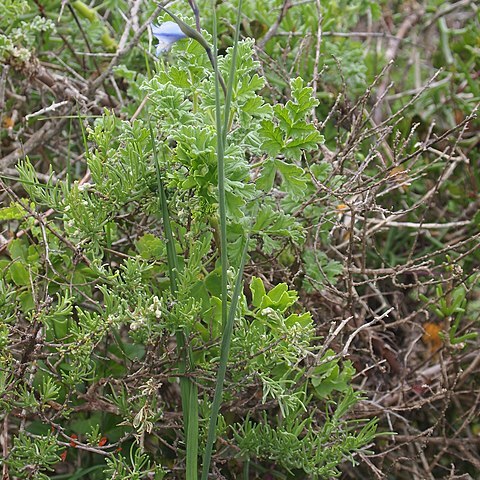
(206,257)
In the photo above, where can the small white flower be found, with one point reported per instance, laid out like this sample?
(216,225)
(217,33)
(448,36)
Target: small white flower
(167,34)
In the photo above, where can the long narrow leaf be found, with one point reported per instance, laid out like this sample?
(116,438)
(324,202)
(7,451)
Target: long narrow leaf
(222,368)
(171,254)
(188,390)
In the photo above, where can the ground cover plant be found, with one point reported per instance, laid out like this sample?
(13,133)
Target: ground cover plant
(239,239)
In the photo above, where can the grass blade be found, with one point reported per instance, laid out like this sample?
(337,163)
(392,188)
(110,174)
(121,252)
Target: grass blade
(188,390)
(222,368)
(171,254)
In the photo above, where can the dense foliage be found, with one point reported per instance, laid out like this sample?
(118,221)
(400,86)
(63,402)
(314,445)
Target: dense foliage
(276,221)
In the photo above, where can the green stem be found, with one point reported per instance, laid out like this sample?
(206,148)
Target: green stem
(231,78)
(221,178)
(228,317)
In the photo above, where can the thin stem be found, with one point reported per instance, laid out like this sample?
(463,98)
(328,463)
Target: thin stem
(228,317)
(221,178)
(231,78)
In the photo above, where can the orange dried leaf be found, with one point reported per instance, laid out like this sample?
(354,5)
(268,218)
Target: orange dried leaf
(431,337)
(102,441)
(63,455)
(73,437)
(8,122)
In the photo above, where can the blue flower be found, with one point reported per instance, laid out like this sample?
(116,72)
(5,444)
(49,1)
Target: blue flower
(167,34)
